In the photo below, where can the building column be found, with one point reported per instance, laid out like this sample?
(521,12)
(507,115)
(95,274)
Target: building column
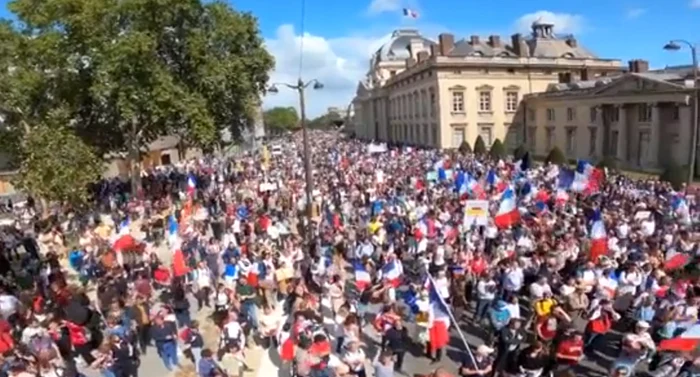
(655,136)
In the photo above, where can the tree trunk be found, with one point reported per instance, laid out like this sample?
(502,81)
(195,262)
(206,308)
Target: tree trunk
(134,160)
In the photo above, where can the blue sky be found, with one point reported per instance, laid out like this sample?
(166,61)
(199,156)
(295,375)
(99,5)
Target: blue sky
(340,35)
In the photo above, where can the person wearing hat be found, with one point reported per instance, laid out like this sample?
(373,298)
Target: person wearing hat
(636,346)
(480,364)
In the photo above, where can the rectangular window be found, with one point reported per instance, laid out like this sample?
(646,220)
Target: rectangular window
(614,138)
(458,136)
(486,133)
(644,147)
(458,102)
(511,101)
(592,140)
(484,101)
(550,138)
(532,138)
(615,114)
(435,141)
(416,104)
(423,104)
(513,131)
(570,114)
(432,103)
(676,112)
(551,115)
(570,141)
(644,112)
(594,114)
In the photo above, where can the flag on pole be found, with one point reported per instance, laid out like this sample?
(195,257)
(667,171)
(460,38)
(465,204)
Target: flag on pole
(410,13)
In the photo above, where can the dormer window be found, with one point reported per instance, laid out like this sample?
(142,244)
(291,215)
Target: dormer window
(504,54)
(568,55)
(477,53)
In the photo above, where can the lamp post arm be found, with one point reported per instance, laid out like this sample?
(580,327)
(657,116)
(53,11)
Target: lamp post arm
(314,81)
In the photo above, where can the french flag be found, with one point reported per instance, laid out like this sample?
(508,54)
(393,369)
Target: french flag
(492,178)
(410,13)
(253,277)
(581,176)
(475,188)
(392,272)
(687,341)
(675,260)
(599,238)
(362,278)
(508,213)
(191,184)
(680,208)
(439,314)
(124,227)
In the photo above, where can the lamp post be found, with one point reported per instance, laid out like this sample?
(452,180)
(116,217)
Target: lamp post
(300,87)
(676,45)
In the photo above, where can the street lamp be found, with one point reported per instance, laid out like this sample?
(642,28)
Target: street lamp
(676,45)
(300,87)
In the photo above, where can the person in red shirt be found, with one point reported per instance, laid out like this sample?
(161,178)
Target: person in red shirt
(569,351)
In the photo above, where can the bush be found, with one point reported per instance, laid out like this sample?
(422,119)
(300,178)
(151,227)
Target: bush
(607,162)
(479,146)
(465,148)
(519,152)
(498,151)
(556,156)
(676,175)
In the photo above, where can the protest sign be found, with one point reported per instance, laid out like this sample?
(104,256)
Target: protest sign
(476,212)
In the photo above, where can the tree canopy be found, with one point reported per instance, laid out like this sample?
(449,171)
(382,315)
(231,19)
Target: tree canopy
(122,73)
(326,121)
(281,118)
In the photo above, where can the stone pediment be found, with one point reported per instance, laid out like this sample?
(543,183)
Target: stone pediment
(636,84)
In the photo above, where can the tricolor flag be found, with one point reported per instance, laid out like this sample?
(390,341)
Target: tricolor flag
(561,197)
(362,278)
(508,213)
(687,341)
(599,237)
(410,13)
(439,318)
(191,184)
(286,345)
(124,227)
(392,273)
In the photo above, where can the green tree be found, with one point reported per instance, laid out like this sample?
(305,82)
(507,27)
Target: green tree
(281,118)
(129,71)
(498,151)
(675,174)
(57,165)
(556,156)
(519,152)
(479,146)
(465,148)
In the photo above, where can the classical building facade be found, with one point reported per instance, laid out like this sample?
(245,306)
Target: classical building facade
(642,119)
(440,93)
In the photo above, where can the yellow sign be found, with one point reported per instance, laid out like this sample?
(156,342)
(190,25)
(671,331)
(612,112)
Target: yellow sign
(476,212)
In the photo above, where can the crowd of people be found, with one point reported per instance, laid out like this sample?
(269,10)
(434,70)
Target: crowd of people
(524,270)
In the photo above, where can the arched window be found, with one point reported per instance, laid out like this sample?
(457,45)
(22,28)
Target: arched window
(568,55)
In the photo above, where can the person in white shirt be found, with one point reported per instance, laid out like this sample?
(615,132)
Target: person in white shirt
(539,288)
(635,346)
(485,294)
(203,280)
(9,305)
(355,358)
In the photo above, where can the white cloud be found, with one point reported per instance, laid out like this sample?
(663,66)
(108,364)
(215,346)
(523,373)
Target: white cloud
(338,63)
(695,4)
(563,22)
(638,12)
(382,6)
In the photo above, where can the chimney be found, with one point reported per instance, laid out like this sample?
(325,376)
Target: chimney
(410,62)
(447,43)
(495,41)
(519,45)
(565,78)
(638,66)
(474,40)
(435,50)
(571,41)
(584,74)
(422,56)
